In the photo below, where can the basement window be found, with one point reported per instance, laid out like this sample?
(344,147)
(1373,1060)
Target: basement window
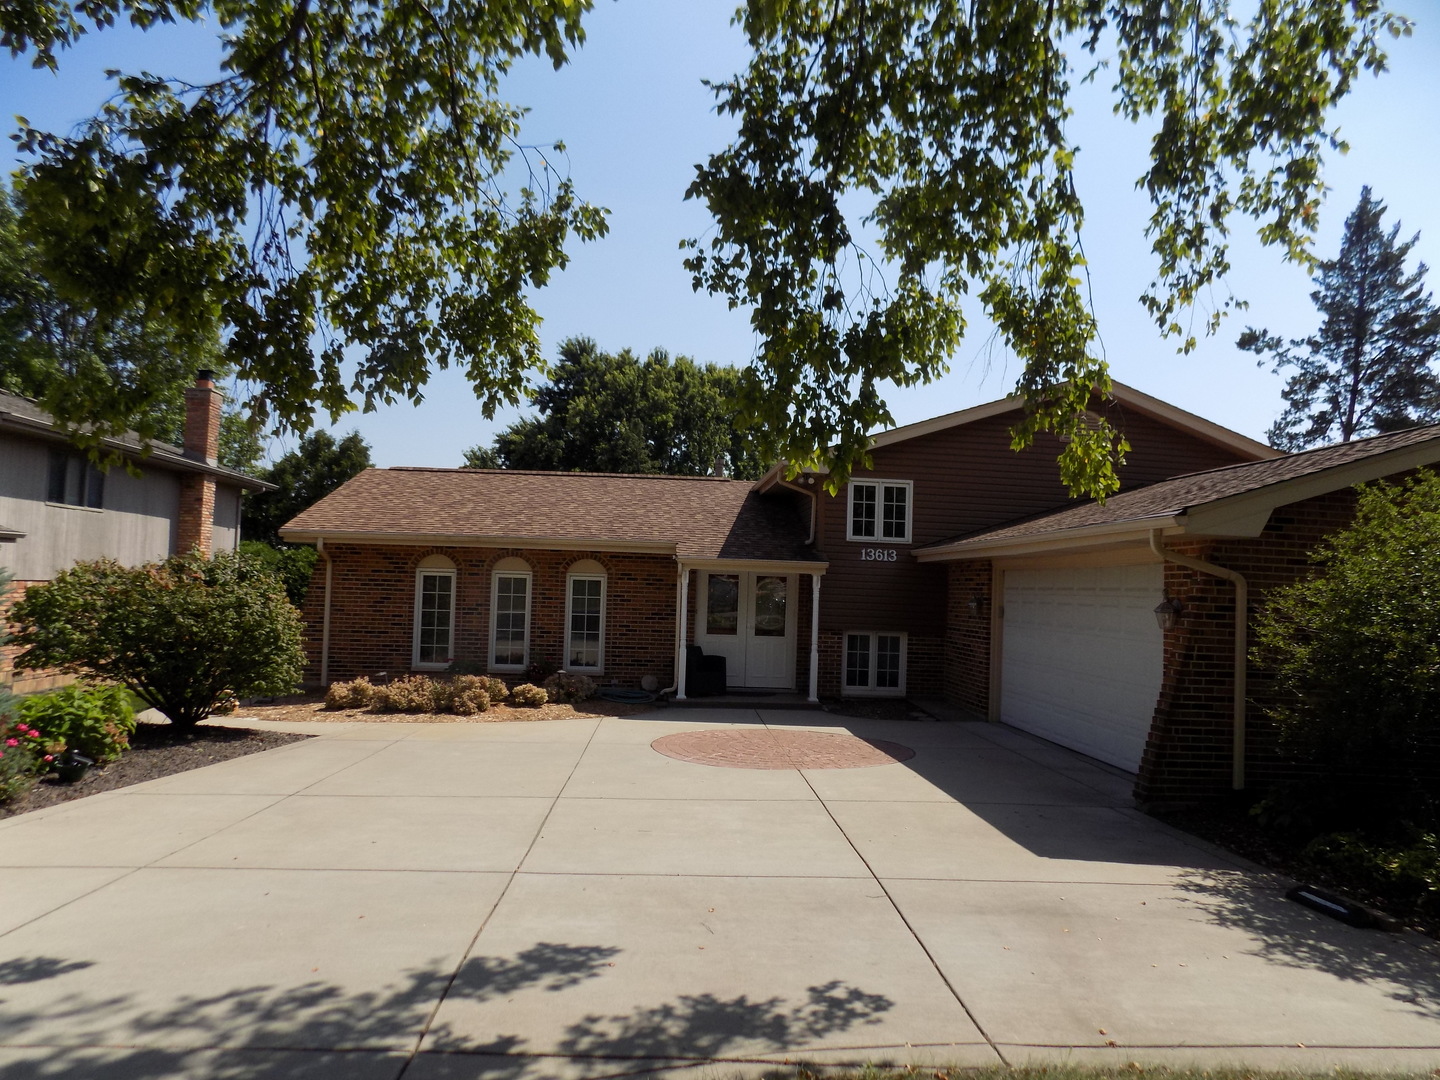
(875,663)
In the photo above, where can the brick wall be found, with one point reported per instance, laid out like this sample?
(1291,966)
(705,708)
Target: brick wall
(372,609)
(23,682)
(195,527)
(1188,755)
(966,667)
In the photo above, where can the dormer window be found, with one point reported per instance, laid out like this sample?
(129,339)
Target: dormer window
(880,510)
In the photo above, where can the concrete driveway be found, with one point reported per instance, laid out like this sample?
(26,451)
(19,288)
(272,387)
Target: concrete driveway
(518,901)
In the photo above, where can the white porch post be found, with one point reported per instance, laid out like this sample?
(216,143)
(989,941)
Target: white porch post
(815,637)
(684,632)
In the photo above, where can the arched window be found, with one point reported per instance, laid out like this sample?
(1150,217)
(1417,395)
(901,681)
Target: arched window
(510,615)
(585,617)
(434,644)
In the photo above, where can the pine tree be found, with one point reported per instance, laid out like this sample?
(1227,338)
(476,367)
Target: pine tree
(1369,368)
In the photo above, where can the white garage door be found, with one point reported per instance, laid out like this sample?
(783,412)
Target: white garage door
(1081,659)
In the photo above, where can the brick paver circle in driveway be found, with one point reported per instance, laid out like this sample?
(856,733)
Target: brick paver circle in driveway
(760,748)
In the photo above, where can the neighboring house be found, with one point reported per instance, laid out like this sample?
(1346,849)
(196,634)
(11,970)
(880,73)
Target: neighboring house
(57,508)
(951,568)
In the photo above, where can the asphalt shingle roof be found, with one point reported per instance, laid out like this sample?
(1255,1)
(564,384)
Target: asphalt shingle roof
(1171,497)
(704,517)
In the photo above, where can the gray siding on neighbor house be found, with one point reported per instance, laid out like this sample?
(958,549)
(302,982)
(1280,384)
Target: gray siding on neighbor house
(226,536)
(136,523)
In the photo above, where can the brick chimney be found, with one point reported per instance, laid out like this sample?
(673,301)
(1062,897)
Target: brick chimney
(196,525)
(202,418)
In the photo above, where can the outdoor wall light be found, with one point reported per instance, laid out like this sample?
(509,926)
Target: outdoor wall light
(976,604)
(1167,613)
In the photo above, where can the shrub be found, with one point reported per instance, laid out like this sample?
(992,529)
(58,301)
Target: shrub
(178,633)
(24,754)
(1405,869)
(569,689)
(528,695)
(540,670)
(355,694)
(95,721)
(292,565)
(412,694)
(496,688)
(470,702)
(1355,654)
(466,667)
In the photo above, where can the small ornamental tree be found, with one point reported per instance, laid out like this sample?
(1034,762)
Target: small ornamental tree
(179,633)
(1355,653)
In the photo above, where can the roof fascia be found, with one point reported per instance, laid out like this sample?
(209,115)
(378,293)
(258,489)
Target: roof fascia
(942,423)
(1197,425)
(536,543)
(1247,513)
(1080,536)
(761,566)
(162,454)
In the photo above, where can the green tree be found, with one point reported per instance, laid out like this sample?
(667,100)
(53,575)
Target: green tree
(1369,368)
(1354,650)
(180,633)
(613,412)
(351,177)
(316,467)
(347,177)
(59,353)
(941,128)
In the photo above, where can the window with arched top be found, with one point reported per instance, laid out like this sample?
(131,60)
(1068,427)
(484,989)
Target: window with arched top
(434,638)
(510,588)
(585,617)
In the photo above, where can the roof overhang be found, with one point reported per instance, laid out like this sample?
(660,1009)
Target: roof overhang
(539,543)
(161,454)
(1125,395)
(755,566)
(1244,515)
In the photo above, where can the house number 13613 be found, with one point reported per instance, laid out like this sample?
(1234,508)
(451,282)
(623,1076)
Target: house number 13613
(877,555)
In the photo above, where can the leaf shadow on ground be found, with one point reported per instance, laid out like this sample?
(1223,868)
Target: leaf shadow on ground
(1403,966)
(290,1033)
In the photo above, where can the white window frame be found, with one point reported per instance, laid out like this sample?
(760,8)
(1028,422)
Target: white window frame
(570,578)
(495,577)
(421,573)
(879,487)
(870,689)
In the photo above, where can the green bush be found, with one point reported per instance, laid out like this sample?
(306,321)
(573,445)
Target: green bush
(1354,650)
(528,695)
(570,689)
(179,633)
(292,565)
(1404,870)
(24,755)
(96,721)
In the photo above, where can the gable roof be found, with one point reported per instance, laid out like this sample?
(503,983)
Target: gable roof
(691,517)
(21,415)
(1234,500)
(1125,395)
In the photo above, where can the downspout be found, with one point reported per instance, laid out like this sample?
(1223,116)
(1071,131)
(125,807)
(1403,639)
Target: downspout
(325,619)
(684,617)
(679,635)
(1242,621)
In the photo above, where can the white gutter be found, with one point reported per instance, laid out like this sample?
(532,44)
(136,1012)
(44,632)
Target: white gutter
(325,619)
(1242,622)
(1038,543)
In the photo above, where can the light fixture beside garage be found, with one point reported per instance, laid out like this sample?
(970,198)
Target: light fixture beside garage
(976,604)
(1168,612)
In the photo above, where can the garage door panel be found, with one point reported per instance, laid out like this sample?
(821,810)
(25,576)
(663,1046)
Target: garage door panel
(1081,660)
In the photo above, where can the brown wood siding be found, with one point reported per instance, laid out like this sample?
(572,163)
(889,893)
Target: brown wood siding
(967,478)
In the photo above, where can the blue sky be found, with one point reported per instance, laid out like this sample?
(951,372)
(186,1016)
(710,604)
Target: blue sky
(635,119)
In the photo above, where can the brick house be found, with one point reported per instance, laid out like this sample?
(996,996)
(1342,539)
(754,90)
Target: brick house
(57,508)
(951,567)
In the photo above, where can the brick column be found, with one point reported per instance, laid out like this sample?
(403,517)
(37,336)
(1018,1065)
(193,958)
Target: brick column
(196,524)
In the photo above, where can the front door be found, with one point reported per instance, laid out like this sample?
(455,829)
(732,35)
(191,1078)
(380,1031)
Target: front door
(750,620)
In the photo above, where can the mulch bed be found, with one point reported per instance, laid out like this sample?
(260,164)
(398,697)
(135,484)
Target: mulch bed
(310,709)
(156,750)
(1232,828)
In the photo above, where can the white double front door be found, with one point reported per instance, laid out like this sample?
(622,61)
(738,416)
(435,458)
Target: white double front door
(750,620)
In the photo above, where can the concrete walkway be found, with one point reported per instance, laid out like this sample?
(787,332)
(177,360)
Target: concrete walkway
(518,901)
